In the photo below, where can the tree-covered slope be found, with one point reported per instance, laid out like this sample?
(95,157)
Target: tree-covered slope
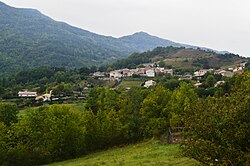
(29,39)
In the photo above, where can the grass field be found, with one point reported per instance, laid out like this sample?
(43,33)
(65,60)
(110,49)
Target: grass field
(147,153)
(130,84)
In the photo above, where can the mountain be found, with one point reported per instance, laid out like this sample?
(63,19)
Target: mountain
(30,39)
(142,41)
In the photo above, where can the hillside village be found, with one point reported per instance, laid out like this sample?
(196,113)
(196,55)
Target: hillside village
(151,70)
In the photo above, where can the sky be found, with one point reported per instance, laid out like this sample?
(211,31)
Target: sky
(217,24)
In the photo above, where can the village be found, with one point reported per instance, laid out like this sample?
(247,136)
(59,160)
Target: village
(149,72)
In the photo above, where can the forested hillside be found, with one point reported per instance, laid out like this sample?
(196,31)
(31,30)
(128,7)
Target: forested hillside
(29,39)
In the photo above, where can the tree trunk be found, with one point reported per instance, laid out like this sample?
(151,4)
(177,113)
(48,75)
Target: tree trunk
(170,136)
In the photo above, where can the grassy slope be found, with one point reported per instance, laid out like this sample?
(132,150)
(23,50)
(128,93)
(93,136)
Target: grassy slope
(147,153)
(130,84)
(184,59)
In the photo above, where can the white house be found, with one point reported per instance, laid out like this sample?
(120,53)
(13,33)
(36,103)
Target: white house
(98,74)
(150,73)
(149,83)
(27,94)
(116,74)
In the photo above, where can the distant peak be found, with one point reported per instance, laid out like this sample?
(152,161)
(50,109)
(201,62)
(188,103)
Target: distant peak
(141,33)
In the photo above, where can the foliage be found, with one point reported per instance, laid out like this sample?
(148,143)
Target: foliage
(131,103)
(8,113)
(247,66)
(46,134)
(182,98)
(155,112)
(219,127)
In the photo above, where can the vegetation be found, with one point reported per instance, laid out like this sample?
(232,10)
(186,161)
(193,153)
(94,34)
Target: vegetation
(130,84)
(215,120)
(150,152)
(180,58)
(137,59)
(217,127)
(30,39)
(43,79)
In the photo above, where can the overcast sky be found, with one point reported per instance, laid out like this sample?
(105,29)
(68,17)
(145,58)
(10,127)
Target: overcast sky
(216,24)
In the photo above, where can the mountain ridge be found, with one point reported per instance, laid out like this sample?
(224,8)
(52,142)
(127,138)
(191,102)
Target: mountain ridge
(29,39)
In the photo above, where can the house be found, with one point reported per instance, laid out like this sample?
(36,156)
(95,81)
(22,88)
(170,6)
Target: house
(98,74)
(168,71)
(45,97)
(219,71)
(159,70)
(149,83)
(238,70)
(226,73)
(150,73)
(185,77)
(201,73)
(116,74)
(140,71)
(126,72)
(243,65)
(27,94)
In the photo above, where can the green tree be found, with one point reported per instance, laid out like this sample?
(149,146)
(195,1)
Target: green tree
(47,134)
(182,98)
(210,81)
(8,113)
(131,103)
(219,127)
(162,64)
(155,112)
